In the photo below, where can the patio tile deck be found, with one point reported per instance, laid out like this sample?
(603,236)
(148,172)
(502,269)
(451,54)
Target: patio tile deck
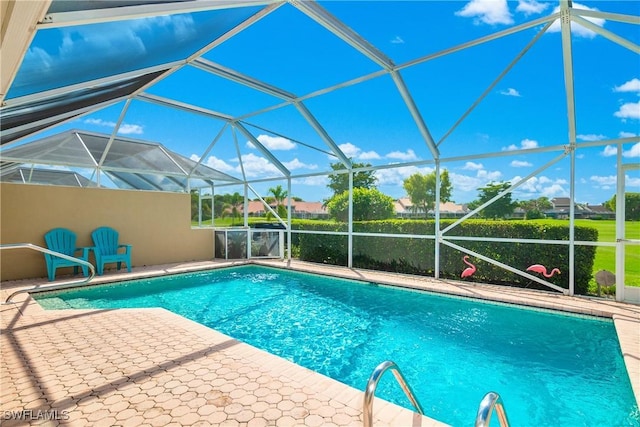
(133,367)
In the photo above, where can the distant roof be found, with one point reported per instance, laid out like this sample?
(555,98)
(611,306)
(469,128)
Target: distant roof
(128,163)
(256,206)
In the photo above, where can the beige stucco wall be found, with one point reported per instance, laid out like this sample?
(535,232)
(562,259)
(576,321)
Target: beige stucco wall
(158,225)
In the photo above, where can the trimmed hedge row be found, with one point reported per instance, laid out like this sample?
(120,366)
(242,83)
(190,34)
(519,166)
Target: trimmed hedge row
(417,256)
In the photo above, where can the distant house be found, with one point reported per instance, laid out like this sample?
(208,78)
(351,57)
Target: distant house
(301,210)
(316,210)
(405,209)
(562,205)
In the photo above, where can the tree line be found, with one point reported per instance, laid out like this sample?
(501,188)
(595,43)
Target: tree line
(369,203)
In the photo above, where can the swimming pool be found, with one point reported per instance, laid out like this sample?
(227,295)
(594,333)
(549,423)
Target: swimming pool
(549,368)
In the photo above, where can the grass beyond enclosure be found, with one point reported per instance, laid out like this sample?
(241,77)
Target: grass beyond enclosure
(605,256)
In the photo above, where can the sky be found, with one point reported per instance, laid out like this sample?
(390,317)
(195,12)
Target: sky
(498,97)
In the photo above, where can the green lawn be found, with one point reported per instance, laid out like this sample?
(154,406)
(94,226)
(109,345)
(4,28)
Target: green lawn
(606,256)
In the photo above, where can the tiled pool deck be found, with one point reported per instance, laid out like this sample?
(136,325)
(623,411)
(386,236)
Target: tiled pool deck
(151,367)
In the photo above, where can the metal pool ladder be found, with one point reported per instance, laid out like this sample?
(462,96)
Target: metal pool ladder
(52,287)
(490,402)
(372,384)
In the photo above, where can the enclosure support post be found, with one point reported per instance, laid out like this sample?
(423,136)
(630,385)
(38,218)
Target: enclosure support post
(199,207)
(620,217)
(567,59)
(288,219)
(213,205)
(437,222)
(350,226)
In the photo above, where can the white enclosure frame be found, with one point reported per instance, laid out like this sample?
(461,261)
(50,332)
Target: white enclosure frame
(32,17)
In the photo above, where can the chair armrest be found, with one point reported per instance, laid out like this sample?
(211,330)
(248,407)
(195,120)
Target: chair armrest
(85,250)
(127,247)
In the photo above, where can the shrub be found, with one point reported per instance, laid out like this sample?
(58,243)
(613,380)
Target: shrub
(417,255)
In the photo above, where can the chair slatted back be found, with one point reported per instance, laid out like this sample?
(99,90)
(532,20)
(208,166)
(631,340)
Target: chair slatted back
(61,240)
(105,240)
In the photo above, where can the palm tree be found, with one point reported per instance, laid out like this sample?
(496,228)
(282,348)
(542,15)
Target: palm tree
(232,207)
(279,194)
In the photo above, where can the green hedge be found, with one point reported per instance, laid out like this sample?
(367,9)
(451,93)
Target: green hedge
(417,256)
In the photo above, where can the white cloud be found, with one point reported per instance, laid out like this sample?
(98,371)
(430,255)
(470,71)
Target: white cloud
(524,144)
(297,164)
(531,7)
(510,92)
(274,143)
(215,163)
(489,176)
(591,137)
(604,181)
(369,155)
(256,166)
(397,40)
(349,150)
(108,39)
(632,182)
(469,184)
(396,176)
(624,134)
(316,181)
(465,183)
(125,128)
(554,190)
(632,85)
(609,151)
(630,110)
(609,182)
(634,151)
(41,57)
(577,29)
(399,155)
(99,122)
(471,166)
(520,164)
(490,12)
(354,152)
(540,186)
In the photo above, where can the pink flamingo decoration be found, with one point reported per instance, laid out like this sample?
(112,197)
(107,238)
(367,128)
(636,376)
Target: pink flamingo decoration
(539,268)
(468,272)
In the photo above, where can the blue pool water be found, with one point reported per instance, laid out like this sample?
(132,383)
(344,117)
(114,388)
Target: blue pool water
(550,369)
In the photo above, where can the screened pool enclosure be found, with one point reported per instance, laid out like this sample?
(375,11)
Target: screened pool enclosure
(223,97)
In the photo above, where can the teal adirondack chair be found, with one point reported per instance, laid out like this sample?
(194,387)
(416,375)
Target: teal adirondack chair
(108,250)
(64,241)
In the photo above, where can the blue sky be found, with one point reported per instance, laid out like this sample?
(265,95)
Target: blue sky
(526,109)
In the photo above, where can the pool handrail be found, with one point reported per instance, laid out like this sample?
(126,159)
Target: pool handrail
(51,287)
(491,401)
(372,384)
